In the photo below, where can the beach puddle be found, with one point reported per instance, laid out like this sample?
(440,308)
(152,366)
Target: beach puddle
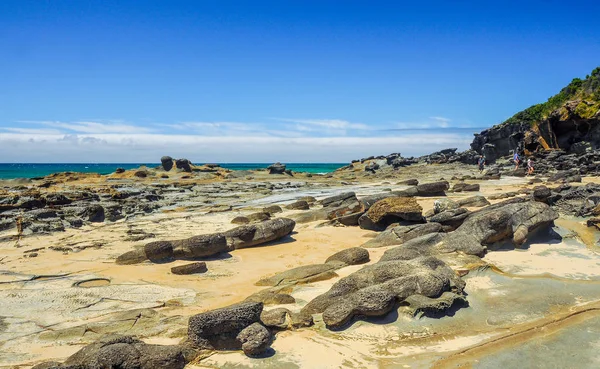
(95,282)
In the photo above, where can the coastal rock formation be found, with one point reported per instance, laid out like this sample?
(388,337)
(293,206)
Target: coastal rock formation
(376,289)
(569,121)
(391,210)
(115,351)
(218,329)
(203,246)
(184,165)
(257,234)
(433,189)
(166,163)
(276,168)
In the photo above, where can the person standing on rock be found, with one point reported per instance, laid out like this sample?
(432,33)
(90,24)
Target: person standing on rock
(529,166)
(481,163)
(516,159)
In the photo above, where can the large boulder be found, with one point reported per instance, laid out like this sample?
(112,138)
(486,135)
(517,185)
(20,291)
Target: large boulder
(190,248)
(257,234)
(504,221)
(255,339)
(465,187)
(433,188)
(218,329)
(401,234)
(276,168)
(376,289)
(184,165)
(166,162)
(114,351)
(391,210)
(473,202)
(351,256)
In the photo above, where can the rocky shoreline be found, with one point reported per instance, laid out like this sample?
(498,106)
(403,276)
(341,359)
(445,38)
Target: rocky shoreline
(431,223)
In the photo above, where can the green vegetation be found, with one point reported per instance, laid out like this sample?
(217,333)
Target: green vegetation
(586,89)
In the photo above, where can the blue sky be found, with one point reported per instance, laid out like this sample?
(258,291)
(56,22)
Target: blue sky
(262,81)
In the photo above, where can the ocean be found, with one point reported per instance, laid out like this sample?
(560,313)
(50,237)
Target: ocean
(29,170)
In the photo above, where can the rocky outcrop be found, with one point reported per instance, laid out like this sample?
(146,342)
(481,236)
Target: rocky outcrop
(257,234)
(276,168)
(569,121)
(433,189)
(184,165)
(219,329)
(391,210)
(204,246)
(116,351)
(376,289)
(166,163)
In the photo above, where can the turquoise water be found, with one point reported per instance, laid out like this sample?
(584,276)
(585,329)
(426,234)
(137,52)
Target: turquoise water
(10,171)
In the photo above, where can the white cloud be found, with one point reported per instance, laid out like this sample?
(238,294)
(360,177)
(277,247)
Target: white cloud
(327,123)
(21,147)
(93,127)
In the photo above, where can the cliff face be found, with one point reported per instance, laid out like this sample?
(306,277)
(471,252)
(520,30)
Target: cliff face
(566,119)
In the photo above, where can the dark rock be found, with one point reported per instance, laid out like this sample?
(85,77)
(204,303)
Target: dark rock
(419,305)
(371,167)
(218,329)
(193,268)
(184,165)
(126,352)
(450,219)
(473,202)
(120,170)
(433,189)
(390,210)
(298,205)
(351,256)
(350,219)
(200,246)
(465,187)
(257,234)
(337,200)
(55,199)
(276,168)
(159,251)
(141,174)
(541,194)
(409,182)
(255,339)
(167,163)
(273,209)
